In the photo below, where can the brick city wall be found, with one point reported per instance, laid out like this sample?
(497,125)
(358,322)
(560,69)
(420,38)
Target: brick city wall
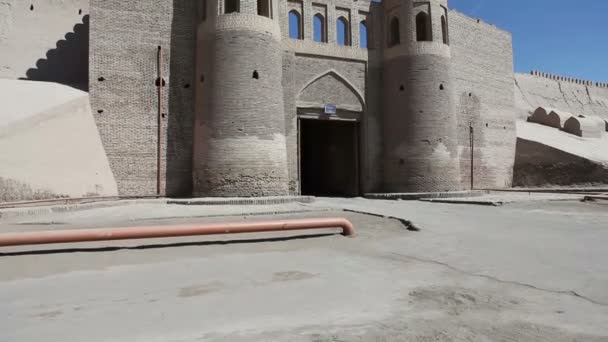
(315,74)
(578,97)
(482,71)
(45,41)
(420,147)
(305,80)
(240,132)
(420,143)
(125,36)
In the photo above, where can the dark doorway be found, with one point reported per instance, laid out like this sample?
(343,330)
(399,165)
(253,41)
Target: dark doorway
(329,164)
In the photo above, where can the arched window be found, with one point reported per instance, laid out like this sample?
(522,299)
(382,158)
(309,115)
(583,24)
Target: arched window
(393,38)
(265,8)
(202,10)
(423,28)
(363,34)
(342,30)
(231,6)
(444,30)
(295,25)
(318,23)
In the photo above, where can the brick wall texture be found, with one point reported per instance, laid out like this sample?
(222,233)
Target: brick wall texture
(482,72)
(235,85)
(240,129)
(124,94)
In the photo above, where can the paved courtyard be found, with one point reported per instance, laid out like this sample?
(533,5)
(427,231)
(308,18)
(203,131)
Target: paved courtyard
(525,271)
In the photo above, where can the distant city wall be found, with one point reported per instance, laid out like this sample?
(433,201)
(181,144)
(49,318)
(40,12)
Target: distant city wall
(51,38)
(482,58)
(578,97)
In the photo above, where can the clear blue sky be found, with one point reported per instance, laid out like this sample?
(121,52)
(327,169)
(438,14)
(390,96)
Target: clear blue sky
(564,37)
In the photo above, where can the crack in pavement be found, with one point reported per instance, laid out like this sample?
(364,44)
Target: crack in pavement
(511,282)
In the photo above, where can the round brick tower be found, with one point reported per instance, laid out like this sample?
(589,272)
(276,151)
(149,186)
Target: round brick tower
(239,143)
(420,144)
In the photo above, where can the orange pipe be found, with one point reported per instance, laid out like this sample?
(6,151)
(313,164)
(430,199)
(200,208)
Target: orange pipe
(126,233)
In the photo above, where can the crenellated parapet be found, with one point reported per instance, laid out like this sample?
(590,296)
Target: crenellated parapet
(574,80)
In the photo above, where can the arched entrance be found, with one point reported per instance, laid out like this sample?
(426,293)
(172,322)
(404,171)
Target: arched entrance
(329,114)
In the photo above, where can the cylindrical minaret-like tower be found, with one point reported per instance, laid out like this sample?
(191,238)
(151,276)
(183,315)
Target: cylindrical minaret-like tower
(420,144)
(239,144)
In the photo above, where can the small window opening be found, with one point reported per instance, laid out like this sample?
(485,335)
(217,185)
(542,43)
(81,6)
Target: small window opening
(363,34)
(231,6)
(202,10)
(101,79)
(256,75)
(99,111)
(486,124)
(394,32)
(401,88)
(444,30)
(470,94)
(31,7)
(79,11)
(342,31)
(265,8)
(202,78)
(441,87)
(319,32)
(295,25)
(187,85)
(423,28)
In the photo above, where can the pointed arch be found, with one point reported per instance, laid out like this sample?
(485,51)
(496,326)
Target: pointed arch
(444,30)
(363,40)
(342,79)
(423,27)
(393,38)
(295,25)
(342,31)
(319,28)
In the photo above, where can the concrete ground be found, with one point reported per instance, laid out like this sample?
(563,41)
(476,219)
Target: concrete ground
(525,271)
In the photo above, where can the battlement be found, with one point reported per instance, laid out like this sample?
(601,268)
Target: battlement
(560,78)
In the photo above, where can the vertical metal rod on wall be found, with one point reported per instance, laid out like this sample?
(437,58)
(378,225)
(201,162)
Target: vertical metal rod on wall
(160,120)
(472,146)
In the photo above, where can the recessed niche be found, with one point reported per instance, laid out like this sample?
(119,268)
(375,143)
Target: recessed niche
(157,82)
